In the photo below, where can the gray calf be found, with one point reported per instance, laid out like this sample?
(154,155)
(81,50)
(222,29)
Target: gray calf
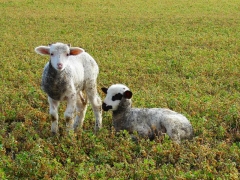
(148,122)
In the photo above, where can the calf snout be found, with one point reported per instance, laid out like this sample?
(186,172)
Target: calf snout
(105,107)
(59,66)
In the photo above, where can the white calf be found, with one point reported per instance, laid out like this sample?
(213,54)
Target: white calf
(69,72)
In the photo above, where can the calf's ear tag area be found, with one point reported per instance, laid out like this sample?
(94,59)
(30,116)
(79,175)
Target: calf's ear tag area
(104,90)
(127,94)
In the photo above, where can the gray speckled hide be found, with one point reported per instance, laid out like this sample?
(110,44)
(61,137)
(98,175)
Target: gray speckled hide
(55,83)
(148,122)
(151,122)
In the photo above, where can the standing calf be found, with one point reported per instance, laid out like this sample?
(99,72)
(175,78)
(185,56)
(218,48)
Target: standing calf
(148,122)
(70,71)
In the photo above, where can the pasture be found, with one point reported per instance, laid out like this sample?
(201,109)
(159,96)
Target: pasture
(183,55)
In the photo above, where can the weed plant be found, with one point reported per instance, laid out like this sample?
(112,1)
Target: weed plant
(182,55)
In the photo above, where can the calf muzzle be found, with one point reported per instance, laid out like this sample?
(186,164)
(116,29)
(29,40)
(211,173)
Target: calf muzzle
(105,107)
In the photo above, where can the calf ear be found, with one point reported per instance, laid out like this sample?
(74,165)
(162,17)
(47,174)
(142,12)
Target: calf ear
(127,94)
(43,50)
(76,50)
(104,90)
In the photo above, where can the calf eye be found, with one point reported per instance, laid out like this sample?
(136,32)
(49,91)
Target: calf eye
(117,97)
(51,54)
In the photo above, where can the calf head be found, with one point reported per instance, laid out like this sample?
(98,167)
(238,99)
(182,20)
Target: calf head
(114,95)
(59,54)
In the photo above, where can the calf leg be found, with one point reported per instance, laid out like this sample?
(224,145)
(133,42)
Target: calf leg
(96,103)
(145,131)
(81,111)
(172,126)
(54,114)
(70,111)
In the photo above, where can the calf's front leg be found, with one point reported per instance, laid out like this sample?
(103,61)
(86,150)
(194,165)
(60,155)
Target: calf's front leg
(53,105)
(70,111)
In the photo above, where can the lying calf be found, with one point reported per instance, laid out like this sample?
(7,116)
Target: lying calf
(148,122)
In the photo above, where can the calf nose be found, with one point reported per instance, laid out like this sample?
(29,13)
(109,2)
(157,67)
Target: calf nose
(105,107)
(59,65)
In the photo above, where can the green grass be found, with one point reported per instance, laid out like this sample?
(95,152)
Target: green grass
(183,55)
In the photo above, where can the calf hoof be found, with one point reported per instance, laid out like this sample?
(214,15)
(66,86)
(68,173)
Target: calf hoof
(54,133)
(97,128)
(54,129)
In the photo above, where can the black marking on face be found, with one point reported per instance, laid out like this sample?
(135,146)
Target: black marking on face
(105,107)
(117,97)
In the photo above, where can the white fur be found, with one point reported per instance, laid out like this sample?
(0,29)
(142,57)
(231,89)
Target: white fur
(69,72)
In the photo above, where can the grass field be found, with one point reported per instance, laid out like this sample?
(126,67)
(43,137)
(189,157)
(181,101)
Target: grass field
(183,55)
